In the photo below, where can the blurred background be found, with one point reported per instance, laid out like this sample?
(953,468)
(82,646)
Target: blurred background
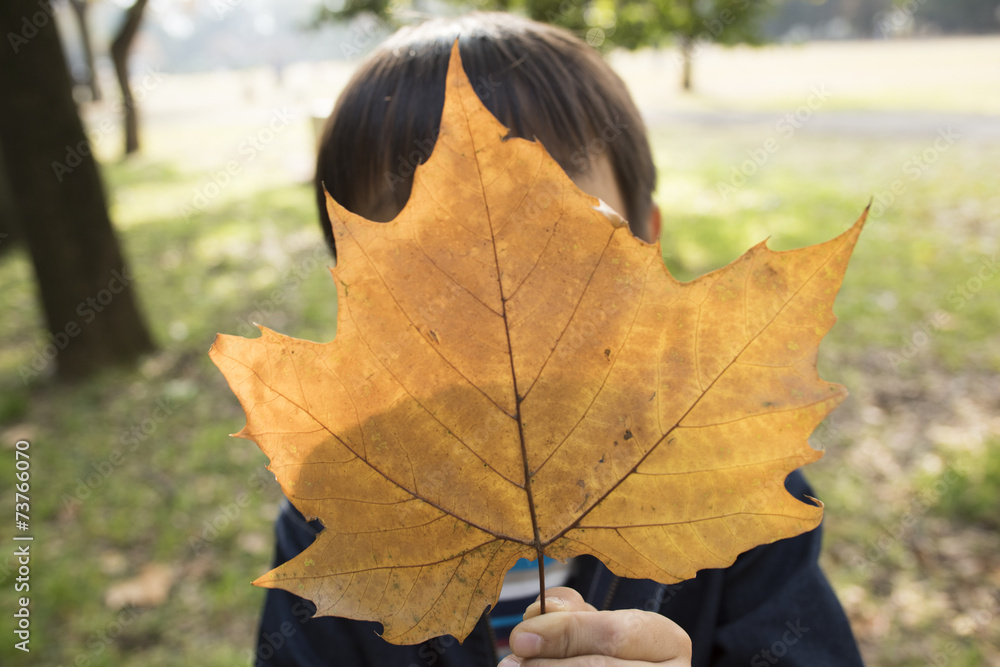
(138,220)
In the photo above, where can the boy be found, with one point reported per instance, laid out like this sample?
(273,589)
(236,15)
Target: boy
(543,83)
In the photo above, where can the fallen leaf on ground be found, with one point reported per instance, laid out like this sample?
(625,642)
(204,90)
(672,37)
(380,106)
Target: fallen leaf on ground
(150,588)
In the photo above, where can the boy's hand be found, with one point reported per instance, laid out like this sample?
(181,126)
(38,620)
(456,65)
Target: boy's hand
(572,633)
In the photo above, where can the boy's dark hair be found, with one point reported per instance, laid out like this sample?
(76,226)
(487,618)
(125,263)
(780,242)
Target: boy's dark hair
(540,81)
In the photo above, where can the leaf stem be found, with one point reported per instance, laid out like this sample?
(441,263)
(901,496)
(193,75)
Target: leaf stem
(541,581)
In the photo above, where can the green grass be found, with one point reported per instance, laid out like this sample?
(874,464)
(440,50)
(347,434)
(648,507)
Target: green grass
(971,492)
(255,255)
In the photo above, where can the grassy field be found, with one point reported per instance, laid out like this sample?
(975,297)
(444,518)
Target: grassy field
(150,522)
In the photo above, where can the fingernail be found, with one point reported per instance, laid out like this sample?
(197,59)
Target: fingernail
(526,644)
(509,661)
(555,602)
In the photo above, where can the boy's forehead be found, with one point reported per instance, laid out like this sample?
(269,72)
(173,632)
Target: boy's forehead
(599,181)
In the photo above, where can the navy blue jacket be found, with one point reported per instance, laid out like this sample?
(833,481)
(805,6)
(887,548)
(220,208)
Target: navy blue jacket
(773,605)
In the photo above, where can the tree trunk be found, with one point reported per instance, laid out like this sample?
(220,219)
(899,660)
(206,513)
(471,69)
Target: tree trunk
(687,46)
(81,7)
(120,47)
(84,285)
(10,229)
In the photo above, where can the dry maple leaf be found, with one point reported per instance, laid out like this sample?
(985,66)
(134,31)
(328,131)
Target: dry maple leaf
(515,374)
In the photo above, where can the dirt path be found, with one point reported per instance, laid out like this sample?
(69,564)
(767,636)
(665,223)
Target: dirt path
(985,127)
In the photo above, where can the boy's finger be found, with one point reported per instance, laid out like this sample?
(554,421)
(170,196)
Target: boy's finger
(627,634)
(583,661)
(558,598)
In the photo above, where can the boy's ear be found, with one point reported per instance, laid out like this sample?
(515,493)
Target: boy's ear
(654,223)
